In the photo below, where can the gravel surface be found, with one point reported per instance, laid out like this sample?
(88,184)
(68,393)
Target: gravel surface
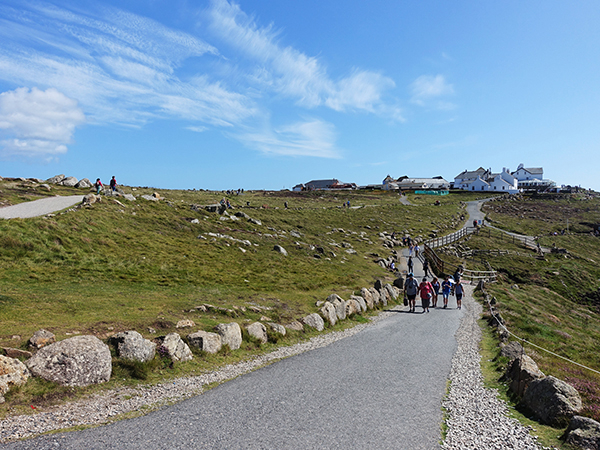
(477,418)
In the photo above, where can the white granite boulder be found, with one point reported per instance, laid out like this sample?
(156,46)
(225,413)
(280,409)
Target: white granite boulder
(366,294)
(314,321)
(12,373)
(55,179)
(361,302)
(84,183)
(339,304)
(77,361)
(175,347)
(205,341)
(328,313)
(259,331)
(231,334)
(69,181)
(375,294)
(352,307)
(132,345)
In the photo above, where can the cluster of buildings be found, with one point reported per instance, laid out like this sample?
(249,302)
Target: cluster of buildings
(522,179)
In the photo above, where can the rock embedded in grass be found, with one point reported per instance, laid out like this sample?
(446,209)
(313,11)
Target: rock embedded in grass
(205,341)
(231,334)
(12,373)
(175,347)
(131,345)
(41,338)
(259,331)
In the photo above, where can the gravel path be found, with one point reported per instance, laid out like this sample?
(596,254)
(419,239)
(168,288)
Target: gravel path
(477,419)
(40,207)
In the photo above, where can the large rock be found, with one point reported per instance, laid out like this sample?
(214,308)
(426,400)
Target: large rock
(392,291)
(328,313)
(583,432)
(352,307)
(339,304)
(90,199)
(384,296)
(259,331)
(175,347)
(132,345)
(375,294)
(41,338)
(84,183)
(55,179)
(521,372)
(512,350)
(366,294)
(69,181)
(12,373)
(77,361)
(280,249)
(552,400)
(399,282)
(277,328)
(231,334)
(205,341)
(361,302)
(314,321)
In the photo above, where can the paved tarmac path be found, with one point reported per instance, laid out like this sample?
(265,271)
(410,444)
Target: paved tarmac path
(40,207)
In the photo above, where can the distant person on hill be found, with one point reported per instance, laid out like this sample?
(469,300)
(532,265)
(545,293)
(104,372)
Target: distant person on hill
(113,184)
(435,283)
(411,288)
(98,185)
(410,264)
(426,292)
(459,291)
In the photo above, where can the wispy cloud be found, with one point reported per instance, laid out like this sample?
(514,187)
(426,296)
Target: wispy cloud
(427,89)
(293,74)
(307,138)
(37,124)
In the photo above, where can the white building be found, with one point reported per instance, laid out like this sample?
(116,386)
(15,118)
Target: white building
(485,180)
(532,178)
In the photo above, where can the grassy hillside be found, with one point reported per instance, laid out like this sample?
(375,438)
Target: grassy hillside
(145,265)
(552,301)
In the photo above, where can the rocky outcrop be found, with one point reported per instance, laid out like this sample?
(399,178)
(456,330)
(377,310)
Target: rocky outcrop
(41,338)
(84,184)
(328,313)
(55,179)
(259,331)
(584,433)
(131,345)
(231,334)
(314,321)
(521,372)
(77,361)
(552,401)
(174,347)
(205,341)
(69,181)
(12,373)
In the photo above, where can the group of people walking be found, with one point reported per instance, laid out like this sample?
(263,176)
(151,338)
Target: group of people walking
(429,291)
(100,187)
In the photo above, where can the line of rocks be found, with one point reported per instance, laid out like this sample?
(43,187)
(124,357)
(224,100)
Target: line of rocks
(107,406)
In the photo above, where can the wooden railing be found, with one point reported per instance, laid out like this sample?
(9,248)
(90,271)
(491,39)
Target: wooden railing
(452,237)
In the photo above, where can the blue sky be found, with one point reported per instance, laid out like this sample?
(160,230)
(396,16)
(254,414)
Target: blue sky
(264,94)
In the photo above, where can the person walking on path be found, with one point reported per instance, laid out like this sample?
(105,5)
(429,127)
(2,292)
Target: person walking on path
(435,283)
(410,264)
(410,249)
(98,185)
(426,267)
(410,288)
(113,184)
(426,292)
(459,290)
(446,287)
(417,250)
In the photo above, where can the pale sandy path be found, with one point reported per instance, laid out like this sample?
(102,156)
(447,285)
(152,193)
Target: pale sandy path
(39,207)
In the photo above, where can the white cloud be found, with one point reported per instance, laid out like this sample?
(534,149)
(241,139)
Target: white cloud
(294,74)
(428,87)
(36,123)
(309,138)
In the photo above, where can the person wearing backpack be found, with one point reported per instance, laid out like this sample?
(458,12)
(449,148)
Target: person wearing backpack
(426,292)
(459,290)
(411,287)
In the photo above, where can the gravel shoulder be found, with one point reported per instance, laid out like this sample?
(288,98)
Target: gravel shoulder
(40,207)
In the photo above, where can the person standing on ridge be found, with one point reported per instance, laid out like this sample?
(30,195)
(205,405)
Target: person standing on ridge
(113,184)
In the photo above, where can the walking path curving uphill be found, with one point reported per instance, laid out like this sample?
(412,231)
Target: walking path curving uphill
(40,207)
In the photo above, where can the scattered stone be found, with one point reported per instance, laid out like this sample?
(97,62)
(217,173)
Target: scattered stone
(255,221)
(185,323)
(175,348)
(328,313)
(205,341)
(277,328)
(12,373)
(131,345)
(129,197)
(280,249)
(584,433)
(77,361)
(150,198)
(41,338)
(16,353)
(258,331)
(46,186)
(295,326)
(231,334)
(314,321)
(552,400)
